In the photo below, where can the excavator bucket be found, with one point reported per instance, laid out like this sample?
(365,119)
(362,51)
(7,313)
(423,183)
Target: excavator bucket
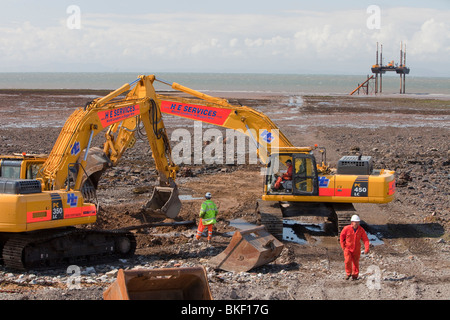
(160,284)
(248,249)
(164,202)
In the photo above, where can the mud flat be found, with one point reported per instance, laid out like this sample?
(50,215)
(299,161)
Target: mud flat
(410,256)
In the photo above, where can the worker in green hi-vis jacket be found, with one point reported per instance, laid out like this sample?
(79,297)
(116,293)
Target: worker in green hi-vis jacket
(208,213)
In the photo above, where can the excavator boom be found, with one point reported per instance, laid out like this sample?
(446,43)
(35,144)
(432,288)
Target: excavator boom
(85,123)
(260,129)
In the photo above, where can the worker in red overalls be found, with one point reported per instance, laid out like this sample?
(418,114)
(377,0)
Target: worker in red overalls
(285,176)
(350,239)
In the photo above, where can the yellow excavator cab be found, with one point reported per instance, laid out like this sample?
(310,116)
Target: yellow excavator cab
(23,166)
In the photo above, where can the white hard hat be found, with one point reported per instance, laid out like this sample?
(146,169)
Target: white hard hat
(355,218)
(208,195)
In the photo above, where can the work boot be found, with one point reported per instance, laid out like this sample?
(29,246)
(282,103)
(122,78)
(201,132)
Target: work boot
(354,278)
(348,276)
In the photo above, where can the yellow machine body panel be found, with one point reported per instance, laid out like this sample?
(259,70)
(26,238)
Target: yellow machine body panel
(307,183)
(346,189)
(45,210)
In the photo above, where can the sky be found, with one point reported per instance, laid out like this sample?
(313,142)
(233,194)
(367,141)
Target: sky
(246,36)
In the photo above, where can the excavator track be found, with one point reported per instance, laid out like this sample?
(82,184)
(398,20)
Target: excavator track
(271,217)
(57,248)
(343,220)
(343,213)
(271,214)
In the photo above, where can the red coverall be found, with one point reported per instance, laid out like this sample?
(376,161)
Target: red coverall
(285,176)
(351,244)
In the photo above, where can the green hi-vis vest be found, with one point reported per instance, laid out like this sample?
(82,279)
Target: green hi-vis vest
(208,212)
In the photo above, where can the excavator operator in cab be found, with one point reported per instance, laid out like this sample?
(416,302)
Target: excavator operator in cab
(285,177)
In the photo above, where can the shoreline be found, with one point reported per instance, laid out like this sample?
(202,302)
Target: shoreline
(231,94)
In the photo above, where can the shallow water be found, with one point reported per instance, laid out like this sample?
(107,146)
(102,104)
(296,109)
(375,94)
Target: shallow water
(290,234)
(223,82)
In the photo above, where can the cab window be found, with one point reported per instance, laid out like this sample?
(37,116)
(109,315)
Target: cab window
(10,172)
(304,176)
(32,170)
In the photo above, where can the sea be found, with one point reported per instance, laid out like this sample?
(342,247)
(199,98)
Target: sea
(229,82)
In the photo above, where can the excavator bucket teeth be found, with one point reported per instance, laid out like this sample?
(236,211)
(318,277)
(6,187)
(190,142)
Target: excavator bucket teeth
(164,202)
(248,249)
(160,284)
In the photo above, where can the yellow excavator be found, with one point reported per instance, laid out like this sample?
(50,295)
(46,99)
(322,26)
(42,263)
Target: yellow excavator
(309,187)
(40,209)
(42,199)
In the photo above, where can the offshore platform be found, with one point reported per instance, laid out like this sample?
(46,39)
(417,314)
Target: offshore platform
(378,69)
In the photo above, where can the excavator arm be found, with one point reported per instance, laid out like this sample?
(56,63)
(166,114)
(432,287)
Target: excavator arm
(115,114)
(122,135)
(260,129)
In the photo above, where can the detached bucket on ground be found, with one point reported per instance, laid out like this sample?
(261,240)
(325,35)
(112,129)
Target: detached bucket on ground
(248,249)
(160,284)
(164,202)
